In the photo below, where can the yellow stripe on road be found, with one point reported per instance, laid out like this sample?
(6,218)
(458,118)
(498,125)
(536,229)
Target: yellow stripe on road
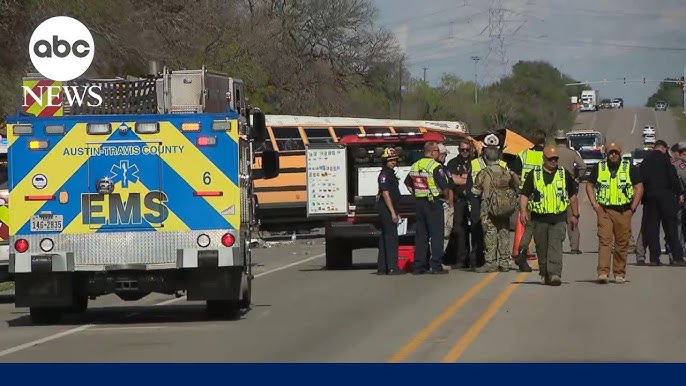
(424,334)
(478,326)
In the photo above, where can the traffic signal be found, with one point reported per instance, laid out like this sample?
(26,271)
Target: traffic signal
(644,80)
(680,81)
(625,80)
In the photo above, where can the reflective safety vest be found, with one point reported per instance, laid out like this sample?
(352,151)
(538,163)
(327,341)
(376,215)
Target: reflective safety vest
(614,191)
(423,181)
(552,198)
(479,163)
(530,159)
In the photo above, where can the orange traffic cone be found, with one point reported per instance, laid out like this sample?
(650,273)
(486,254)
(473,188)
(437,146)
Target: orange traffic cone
(519,232)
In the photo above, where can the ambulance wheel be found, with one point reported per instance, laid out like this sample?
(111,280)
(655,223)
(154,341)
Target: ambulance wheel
(338,255)
(224,309)
(40,315)
(80,304)
(246,292)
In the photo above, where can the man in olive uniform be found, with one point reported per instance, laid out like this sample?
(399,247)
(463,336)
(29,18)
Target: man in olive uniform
(614,190)
(389,196)
(427,181)
(572,162)
(495,181)
(476,256)
(527,160)
(547,194)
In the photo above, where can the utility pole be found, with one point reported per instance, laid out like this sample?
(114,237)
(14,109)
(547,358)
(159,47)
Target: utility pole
(476,79)
(400,89)
(683,87)
(424,68)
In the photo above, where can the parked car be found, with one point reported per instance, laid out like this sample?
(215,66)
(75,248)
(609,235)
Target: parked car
(616,103)
(649,139)
(648,130)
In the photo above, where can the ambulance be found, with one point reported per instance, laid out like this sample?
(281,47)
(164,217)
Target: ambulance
(150,193)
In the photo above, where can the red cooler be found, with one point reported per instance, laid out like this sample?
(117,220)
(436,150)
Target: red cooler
(406,257)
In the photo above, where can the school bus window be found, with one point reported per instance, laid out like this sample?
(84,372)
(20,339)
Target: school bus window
(407,129)
(343,131)
(288,138)
(318,134)
(377,130)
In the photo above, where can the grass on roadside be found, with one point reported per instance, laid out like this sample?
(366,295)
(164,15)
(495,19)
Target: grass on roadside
(6,286)
(680,120)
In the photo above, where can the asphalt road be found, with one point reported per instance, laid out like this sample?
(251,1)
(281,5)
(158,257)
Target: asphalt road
(302,313)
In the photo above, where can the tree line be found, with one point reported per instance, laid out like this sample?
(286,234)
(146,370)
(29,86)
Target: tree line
(298,57)
(668,91)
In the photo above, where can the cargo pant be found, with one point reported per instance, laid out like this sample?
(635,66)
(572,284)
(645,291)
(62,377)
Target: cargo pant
(613,226)
(549,239)
(448,214)
(574,234)
(496,242)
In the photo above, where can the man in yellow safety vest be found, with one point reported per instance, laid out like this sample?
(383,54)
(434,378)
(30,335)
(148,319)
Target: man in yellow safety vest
(427,181)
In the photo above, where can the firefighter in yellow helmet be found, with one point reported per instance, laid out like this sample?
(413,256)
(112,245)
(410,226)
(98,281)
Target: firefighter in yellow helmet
(387,206)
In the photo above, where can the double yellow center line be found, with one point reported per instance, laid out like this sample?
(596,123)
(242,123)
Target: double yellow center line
(474,330)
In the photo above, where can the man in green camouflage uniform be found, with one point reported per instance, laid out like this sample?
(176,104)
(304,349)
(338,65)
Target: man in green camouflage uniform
(496,229)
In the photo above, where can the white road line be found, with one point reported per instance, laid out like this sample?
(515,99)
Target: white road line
(634,127)
(44,340)
(170,301)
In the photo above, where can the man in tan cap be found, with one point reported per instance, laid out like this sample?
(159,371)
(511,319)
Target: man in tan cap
(547,194)
(614,189)
(572,162)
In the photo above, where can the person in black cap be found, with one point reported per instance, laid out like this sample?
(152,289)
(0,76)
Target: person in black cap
(387,200)
(663,194)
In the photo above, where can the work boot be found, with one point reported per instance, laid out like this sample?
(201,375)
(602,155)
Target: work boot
(521,262)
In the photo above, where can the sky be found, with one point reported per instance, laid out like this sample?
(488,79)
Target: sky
(589,40)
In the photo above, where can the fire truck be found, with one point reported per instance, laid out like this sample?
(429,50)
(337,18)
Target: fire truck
(342,189)
(150,192)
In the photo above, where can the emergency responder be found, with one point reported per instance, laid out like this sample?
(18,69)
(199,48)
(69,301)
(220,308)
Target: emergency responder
(427,181)
(476,255)
(448,210)
(495,181)
(572,162)
(680,166)
(662,194)
(526,161)
(547,194)
(387,204)
(458,244)
(614,190)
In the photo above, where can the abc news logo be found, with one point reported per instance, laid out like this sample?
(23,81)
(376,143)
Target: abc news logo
(62,49)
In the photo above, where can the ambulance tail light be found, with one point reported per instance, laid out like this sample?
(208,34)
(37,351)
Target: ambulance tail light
(38,145)
(147,127)
(21,245)
(54,129)
(206,141)
(228,240)
(190,126)
(224,125)
(99,128)
(22,129)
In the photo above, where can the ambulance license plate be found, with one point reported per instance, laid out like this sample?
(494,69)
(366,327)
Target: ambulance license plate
(47,223)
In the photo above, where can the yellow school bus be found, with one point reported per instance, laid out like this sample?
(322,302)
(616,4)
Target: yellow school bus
(283,198)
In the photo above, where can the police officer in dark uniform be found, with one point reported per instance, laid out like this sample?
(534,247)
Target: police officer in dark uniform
(662,195)
(458,245)
(387,199)
(426,181)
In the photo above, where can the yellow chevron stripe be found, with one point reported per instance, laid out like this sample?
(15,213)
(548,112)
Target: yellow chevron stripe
(57,167)
(233,133)
(193,165)
(172,224)
(10,135)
